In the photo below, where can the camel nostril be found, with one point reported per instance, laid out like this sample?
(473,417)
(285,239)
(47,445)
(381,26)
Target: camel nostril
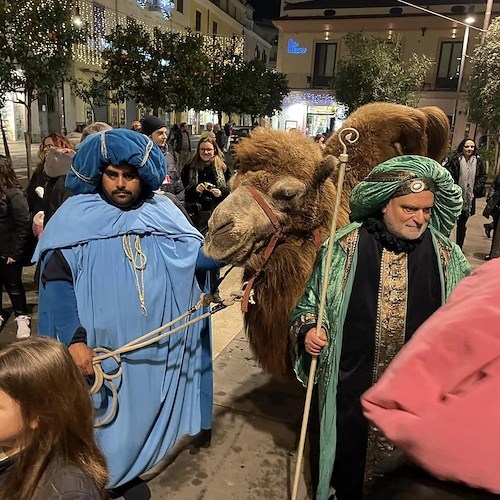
(224,228)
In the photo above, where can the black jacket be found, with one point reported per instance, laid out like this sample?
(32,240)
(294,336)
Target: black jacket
(453,165)
(178,141)
(14,223)
(65,482)
(35,203)
(54,196)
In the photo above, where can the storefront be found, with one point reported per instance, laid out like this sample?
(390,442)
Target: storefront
(312,113)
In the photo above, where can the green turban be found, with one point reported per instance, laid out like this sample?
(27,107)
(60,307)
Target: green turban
(383,182)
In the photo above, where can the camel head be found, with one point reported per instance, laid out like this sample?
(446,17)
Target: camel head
(290,174)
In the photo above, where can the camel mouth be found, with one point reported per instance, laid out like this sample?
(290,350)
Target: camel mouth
(237,251)
(222,231)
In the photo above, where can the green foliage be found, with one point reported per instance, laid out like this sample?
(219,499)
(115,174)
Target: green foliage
(264,90)
(226,85)
(165,69)
(36,39)
(484,80)
(374,72)
(93,92)
(487,154)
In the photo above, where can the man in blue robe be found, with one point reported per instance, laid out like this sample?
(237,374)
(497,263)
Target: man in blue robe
(118,261)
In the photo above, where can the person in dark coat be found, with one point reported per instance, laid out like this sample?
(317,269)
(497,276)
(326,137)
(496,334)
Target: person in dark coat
(205,179)
(38,178)
(182,146)
(57,164)
(468,171)
(47,445)
(493,209)
(14,231)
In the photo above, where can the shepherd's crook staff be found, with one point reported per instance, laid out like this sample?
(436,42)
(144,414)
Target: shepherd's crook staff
(350,135)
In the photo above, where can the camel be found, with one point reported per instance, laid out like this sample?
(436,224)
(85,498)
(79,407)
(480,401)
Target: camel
(297,183)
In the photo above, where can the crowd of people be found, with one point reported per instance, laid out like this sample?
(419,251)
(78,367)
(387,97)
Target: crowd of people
(118,219)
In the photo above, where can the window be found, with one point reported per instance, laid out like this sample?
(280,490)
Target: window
(180,6)
(324,64)
(214,28)
(449,65)
(198,21)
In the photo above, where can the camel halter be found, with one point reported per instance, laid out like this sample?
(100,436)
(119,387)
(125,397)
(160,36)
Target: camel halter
(279,232)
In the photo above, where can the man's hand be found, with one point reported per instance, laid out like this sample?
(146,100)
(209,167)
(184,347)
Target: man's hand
(314,342)
(82,355)
(200,188)
(217,193)
(10,260)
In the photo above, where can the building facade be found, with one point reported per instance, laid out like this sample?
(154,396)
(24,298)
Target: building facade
(222,21)
(311,42)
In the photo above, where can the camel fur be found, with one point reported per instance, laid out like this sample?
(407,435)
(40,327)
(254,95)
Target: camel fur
(298,183)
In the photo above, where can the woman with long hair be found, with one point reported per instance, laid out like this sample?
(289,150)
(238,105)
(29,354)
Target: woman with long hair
(14,231)
(47,446)
(38,178)
(205,178)
(468,171)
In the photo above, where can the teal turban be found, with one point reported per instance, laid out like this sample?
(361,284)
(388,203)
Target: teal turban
(116,147)
(383,182)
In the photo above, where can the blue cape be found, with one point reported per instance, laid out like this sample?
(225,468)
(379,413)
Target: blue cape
(165,390)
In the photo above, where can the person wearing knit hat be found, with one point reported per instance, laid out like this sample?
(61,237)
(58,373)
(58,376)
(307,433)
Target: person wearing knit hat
(172,185)
(118,261)
(392,267)
(155,129)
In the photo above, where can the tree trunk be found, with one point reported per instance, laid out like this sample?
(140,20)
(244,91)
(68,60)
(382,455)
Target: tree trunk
(156,110)
(4,138)
(219,117)
(27,134)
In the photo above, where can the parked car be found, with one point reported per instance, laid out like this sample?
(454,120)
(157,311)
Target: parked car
(238,132)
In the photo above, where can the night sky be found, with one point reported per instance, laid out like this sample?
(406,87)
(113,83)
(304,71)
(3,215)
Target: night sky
(265,9)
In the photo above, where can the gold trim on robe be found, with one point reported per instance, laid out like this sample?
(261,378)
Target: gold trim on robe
(389,339)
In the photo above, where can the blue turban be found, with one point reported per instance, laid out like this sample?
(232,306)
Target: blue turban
(115,147)
(384,181)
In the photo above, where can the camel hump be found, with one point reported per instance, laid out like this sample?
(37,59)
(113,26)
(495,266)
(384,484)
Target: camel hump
(438,132)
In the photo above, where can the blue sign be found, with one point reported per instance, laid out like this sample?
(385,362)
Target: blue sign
(293,47)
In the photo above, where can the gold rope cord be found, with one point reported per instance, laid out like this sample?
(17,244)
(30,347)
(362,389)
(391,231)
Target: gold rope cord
(138,261)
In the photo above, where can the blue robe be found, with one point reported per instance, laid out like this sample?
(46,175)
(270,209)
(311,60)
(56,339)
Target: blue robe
(165,391)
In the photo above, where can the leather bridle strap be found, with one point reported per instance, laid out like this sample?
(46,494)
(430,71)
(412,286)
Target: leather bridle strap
(280,230)
(267,209)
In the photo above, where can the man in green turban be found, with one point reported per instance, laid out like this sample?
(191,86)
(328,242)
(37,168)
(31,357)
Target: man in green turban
(393,266)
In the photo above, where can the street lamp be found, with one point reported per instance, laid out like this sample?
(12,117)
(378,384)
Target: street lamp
(470,20)
(77,19)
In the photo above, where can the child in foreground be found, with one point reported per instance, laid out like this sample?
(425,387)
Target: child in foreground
(47,447)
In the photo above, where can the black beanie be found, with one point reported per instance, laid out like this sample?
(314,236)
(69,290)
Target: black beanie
(151,123)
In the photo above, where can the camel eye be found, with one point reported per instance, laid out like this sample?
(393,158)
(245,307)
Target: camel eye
(285,194)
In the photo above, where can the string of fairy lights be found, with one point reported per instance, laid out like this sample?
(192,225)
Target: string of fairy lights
(27,13)
(102,21)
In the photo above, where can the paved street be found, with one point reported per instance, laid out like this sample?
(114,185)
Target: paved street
(256,418)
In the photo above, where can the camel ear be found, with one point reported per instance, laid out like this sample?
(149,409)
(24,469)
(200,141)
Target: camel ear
(326,168)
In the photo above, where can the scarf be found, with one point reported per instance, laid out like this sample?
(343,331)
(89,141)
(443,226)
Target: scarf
(466,180)
(215,166)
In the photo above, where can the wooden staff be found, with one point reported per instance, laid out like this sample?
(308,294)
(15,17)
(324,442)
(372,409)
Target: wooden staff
(350,135)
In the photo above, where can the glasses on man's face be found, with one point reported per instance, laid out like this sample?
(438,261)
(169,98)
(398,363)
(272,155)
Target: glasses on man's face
(206,151)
